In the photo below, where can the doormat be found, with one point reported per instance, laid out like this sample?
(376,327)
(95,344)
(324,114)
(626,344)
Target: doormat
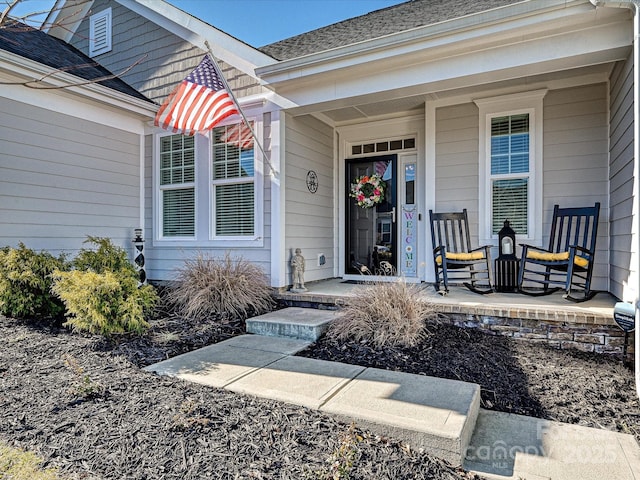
(359,282)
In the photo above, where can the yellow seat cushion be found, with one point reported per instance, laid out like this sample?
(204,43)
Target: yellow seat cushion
(460,256)
(557,257)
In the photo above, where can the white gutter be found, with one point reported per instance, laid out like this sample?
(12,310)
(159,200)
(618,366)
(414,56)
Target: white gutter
(634,6)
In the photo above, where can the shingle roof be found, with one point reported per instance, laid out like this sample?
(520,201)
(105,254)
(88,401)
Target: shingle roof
(398,18)
(36,45)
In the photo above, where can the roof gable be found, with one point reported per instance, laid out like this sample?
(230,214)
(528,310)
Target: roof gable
(198,33)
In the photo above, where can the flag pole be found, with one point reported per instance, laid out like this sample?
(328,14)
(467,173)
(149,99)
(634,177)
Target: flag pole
(235,100)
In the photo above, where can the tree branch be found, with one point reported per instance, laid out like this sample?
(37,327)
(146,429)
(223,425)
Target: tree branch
(37,83)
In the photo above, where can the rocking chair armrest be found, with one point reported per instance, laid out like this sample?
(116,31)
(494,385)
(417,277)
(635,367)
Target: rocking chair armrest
(486,248)
(526,247)
(581,249)
(439,249)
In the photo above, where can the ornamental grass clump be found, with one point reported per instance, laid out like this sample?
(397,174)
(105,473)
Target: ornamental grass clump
(385,314)
(101,293)
(228,288)
(25,283)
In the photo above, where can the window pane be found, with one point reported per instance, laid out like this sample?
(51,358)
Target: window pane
(499,145)
(520,123)
(233,152)
(520,163)
(510,144)
(177,160)
(520,143)
(509,200)
(246,163)
(234,209)
(409,183)
(178,213)
(499,126)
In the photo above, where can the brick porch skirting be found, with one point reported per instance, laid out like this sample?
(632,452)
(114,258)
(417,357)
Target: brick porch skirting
(588,334)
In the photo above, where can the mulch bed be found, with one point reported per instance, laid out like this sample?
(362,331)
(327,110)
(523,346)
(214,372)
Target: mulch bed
(85,406)
(519,377)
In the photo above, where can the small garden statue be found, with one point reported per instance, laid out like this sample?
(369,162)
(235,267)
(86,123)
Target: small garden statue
(297,268)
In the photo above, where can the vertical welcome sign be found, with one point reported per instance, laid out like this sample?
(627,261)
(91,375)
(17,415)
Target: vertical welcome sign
(408,258)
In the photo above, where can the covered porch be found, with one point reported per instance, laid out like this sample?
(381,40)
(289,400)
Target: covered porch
(424,110)
(587,326)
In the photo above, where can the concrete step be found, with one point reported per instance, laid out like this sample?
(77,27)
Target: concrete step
(437,415)
(293,322)
(434,414)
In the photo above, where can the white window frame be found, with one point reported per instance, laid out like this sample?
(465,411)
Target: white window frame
(532,104)
(103,30)
(257,180)
(174,186)
(204,200)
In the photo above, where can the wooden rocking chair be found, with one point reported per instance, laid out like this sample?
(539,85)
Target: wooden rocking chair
(452,252)
(568,262)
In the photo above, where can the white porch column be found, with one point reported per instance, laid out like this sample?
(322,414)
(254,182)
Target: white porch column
(278,231)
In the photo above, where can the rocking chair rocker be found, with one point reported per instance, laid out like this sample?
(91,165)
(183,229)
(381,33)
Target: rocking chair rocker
(568,262)
(452,252)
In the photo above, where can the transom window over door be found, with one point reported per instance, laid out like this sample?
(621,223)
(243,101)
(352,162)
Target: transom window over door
(233,181)
(177,186)
(510,143)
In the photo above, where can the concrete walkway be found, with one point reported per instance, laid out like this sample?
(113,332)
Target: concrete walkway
(441,416)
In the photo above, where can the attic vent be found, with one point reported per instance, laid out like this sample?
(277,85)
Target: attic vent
(100,33)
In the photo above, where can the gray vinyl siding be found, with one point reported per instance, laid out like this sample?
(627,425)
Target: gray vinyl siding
(623,273)
(309,217)
(457,171)
(575,171)
(63,178)
(165,59)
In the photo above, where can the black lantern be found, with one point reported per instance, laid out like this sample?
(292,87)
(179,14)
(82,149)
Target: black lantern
(506,242)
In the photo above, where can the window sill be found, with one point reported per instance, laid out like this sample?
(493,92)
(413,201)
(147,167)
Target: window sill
(253,242)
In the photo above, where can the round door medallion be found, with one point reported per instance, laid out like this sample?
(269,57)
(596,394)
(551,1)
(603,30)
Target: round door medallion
(312,181)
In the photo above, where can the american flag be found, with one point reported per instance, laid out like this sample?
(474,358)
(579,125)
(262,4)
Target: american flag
(198,103)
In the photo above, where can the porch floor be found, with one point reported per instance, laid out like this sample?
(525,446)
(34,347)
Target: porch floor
(598,310)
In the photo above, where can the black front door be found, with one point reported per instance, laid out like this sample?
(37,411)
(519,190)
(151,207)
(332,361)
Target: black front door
(371,232)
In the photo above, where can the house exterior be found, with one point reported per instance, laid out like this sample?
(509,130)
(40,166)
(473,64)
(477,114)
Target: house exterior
(70,145)
(501,107)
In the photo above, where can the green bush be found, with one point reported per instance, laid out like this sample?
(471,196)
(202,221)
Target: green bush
(25,283)
(107,257)
(229,287)
(386,314)
(102,294)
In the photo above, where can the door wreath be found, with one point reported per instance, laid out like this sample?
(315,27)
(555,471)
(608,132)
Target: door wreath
(368,190)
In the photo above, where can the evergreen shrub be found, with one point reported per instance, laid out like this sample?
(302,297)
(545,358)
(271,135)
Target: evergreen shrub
(101,293)
(25,283)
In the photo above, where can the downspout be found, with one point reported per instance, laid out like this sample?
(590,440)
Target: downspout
(634,6)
